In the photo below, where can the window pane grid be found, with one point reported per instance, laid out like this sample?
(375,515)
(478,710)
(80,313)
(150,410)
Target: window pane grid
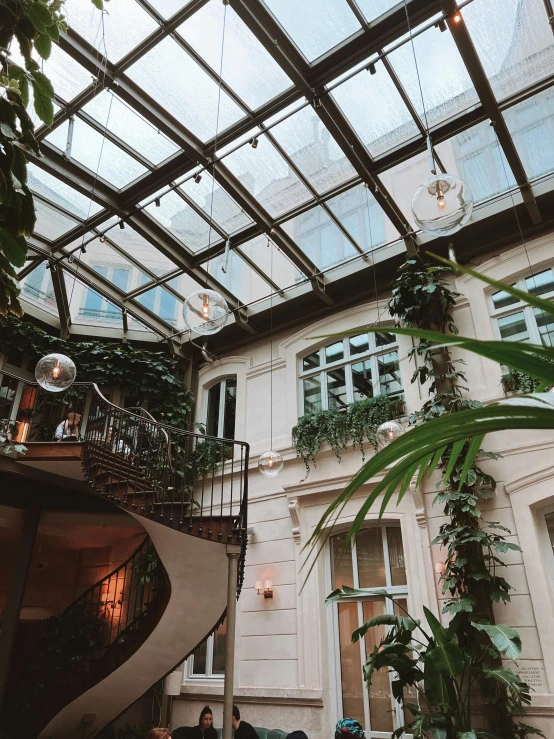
(516,321)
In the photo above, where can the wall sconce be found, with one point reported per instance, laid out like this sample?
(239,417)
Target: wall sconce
(265,588)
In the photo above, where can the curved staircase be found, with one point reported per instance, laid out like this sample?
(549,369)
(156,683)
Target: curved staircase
(188,491)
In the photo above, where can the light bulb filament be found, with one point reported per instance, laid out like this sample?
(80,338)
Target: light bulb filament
(56,369)
(270,462)
(441,202)
(206,308)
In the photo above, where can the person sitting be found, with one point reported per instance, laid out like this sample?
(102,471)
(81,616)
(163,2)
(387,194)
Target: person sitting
(158,734)
(298,734)
(116,443)
(68,430)
(242,729)
(203,730)
(349,728)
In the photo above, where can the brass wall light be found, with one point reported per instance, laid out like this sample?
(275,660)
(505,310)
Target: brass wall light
(264,588)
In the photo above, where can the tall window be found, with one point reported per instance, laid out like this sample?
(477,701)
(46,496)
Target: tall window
(516,321)
(221,409)
(208,660)
(159,300)
(95,306)
(351,369)
(374,561)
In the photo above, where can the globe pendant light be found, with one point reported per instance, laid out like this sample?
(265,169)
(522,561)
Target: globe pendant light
(270,463)
(388,432)
(205,311)
(55,372)
(442,205)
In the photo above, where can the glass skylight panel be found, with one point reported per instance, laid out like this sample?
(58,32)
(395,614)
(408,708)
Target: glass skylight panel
(376,111)
(58,192)
(163,304)
(115,31)
(184,89)
(183,222)
(321,24)
(96,153)
(137,247)
(363,218)
(225,212)
(514,41)
(88,307)
(131,128)
(372,9)
(445,82)
(112,266)
(320,238)
(531,124)
(313,150)
(247,67)
(167,8)
(265,174)
(51,223)
(240,279)
(37,289)
(271,261)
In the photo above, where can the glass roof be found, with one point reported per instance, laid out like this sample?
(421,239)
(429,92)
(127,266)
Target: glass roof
(208,127)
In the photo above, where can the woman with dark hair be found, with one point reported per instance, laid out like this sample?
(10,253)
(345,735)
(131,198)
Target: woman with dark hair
(203,730)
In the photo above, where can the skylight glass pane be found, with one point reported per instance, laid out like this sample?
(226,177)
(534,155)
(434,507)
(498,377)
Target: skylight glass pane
(137,247)
(164,304)
(88,307)
(363,218)
(531,124)
(445,82)
(112,265)
(312,148)
(514,41)
(319,238)
(226,213)
(58,192)
(265,173)
(130,127)
(51,223)
(240,279)
(167,8)
(320,26)
(376,111)
(271,261)
(37,289)
(115,31)
(95,152)
(184,89)
(183,222)
(247,67)
(372,9)
(67,76)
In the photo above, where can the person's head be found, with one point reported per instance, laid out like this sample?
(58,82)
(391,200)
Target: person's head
(73,418)
(298,734)
(206,718)
(349,728)
(236,718)
(158,734)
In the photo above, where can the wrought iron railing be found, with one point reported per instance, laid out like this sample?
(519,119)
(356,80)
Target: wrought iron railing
(90,639)
(185,480)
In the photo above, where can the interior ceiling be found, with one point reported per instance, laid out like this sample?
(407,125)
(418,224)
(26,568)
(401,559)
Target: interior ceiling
(183,90)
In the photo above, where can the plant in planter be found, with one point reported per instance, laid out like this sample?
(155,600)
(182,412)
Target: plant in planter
(518,383)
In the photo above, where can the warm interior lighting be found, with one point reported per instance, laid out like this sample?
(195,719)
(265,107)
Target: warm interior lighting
(102,239)
(270,462)
(206,308)
(259,586)
(254,142)
(56,369)
(457,18)
(265,589)
(441,202)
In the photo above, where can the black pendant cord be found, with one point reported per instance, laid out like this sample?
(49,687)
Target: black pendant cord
(270,348)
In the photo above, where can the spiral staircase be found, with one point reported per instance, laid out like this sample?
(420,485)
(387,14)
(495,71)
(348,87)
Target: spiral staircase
(188,491)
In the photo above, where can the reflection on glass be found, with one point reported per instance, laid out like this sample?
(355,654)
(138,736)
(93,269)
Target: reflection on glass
(541,283)
(361,380)
(549,518)
(545,323)
(230,408)
(312,395)
(397,563)
(336,389)
(334,352)
(383,339)
(218,666)
(380,698)
(350,663)
(371,559)
(389,373)
(359,344)
(501,299)
(310,362)
(199,664)
(531,125)
(513,328)
(341,562)
(212,415)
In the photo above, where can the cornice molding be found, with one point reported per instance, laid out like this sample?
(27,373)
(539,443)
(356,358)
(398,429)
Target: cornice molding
(545,474)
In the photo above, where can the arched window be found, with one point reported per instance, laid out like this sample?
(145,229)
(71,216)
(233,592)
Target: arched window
(373,562)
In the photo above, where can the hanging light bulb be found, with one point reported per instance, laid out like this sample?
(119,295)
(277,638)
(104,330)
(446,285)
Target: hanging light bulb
(388,432)
(442,205)
(55,372)
(270,464)
(205,311)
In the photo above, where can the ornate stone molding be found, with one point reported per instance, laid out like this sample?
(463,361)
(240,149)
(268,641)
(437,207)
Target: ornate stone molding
(294,511)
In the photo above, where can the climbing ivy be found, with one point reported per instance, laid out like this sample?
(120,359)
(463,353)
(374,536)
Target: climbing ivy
(518,383)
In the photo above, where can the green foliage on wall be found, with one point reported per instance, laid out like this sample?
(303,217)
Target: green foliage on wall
(154,377)
(358,424)
(518,383)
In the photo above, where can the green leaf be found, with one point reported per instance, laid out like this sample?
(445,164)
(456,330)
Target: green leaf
(510,681)
(505,639)
(44,95)
(98,4)
(19,165)
(447,659)
(385,619)
(14,247)
(43,44)
(40,16)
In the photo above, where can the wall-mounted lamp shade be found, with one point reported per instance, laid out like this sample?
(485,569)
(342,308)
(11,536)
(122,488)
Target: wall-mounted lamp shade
(268,585)
(259,586)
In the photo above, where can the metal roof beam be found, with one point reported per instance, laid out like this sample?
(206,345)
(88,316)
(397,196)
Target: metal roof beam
(62,302)
(486,96)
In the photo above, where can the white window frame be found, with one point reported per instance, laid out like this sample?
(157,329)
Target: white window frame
(520,307)
(222,409)
(373,353)
(398,592)
(208,675)
(545,540)
(102,314)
